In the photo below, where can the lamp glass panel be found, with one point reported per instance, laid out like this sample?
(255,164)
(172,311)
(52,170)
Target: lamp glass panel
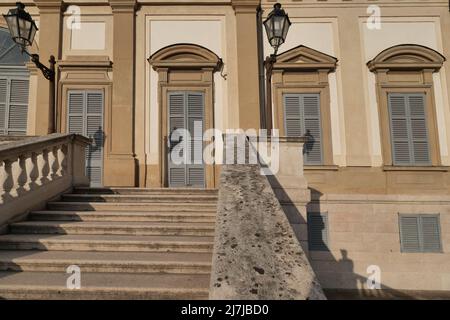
(287,24)
(278,22)
(12,25)
(268,24)
(32,33)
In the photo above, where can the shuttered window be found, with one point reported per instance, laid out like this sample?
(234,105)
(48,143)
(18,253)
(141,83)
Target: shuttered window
(318,231)
(409,132)
(420,233)
(85,117)
(186,110)
(13,105)
(302,118)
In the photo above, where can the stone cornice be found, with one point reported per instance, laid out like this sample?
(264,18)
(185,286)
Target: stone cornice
(304,58)
(245,6)
(49,6)
(185,56)
(85,62)
(123,6)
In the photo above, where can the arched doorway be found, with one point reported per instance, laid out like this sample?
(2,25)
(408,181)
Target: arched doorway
(185,95)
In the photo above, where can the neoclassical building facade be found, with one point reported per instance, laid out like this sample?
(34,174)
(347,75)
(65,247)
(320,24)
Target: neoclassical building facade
(368,80)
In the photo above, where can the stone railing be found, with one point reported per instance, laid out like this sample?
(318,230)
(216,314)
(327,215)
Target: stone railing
(36,169)
(256,252)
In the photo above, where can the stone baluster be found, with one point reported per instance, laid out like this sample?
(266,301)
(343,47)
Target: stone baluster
(22,176)
(62,156)
(33,171)
(44,167)
(54,163)
(6,179)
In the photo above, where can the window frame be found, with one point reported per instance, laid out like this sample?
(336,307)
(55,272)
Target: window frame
(407,68)
(385,125)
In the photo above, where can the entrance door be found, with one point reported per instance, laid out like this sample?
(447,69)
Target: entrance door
(85,117)
(186,110)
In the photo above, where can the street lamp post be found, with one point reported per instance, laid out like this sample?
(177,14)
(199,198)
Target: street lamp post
(23,29)
(277,26)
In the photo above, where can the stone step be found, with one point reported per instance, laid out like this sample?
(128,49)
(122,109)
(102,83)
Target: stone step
(104,228)
(102,286)
(148,191)
(48,215)
(140,198)
(106,262)
(121,243)
(148,207)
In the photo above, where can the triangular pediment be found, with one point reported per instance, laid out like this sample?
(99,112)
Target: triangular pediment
(304,57)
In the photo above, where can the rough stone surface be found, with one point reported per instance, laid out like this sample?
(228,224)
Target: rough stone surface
(256,254)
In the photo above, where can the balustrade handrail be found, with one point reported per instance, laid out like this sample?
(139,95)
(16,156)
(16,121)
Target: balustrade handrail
(38,143)
(36,169)
(256,253)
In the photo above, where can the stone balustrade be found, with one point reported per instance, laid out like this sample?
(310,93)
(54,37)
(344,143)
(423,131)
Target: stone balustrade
(36,169)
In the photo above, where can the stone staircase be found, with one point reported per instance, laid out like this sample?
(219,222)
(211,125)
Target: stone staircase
(129,243)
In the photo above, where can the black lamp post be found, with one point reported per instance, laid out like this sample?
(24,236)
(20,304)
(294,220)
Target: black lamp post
(277,26)
(23,29)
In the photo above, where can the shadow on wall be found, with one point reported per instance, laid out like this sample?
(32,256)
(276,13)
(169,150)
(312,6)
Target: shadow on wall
(351,285)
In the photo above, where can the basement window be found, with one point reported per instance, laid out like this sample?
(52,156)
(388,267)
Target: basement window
(420,233)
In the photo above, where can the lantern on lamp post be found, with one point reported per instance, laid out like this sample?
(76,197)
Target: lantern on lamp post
(277,26)
(23,30)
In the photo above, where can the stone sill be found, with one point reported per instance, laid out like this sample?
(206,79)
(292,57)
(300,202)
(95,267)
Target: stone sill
(321,168)
(416,168)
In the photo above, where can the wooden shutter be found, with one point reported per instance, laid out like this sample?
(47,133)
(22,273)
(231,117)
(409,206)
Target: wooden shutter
(75,114)
(292,115)
(176,117)
(13,105)
(409,133)
(431,234)
(195,121)
(3,104)
(318,231)
(85,117)
(419,130)
(302,117)
(94,130)
(311,119)
(18,107)
(420,233)
(409,233)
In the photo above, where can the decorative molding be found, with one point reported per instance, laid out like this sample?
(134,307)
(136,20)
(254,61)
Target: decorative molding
(49,6)
(85,62)
(185,56)
(245,6)
(304,58)
(123,6)
(407,57)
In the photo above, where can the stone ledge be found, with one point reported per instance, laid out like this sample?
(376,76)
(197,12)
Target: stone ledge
(256,253)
